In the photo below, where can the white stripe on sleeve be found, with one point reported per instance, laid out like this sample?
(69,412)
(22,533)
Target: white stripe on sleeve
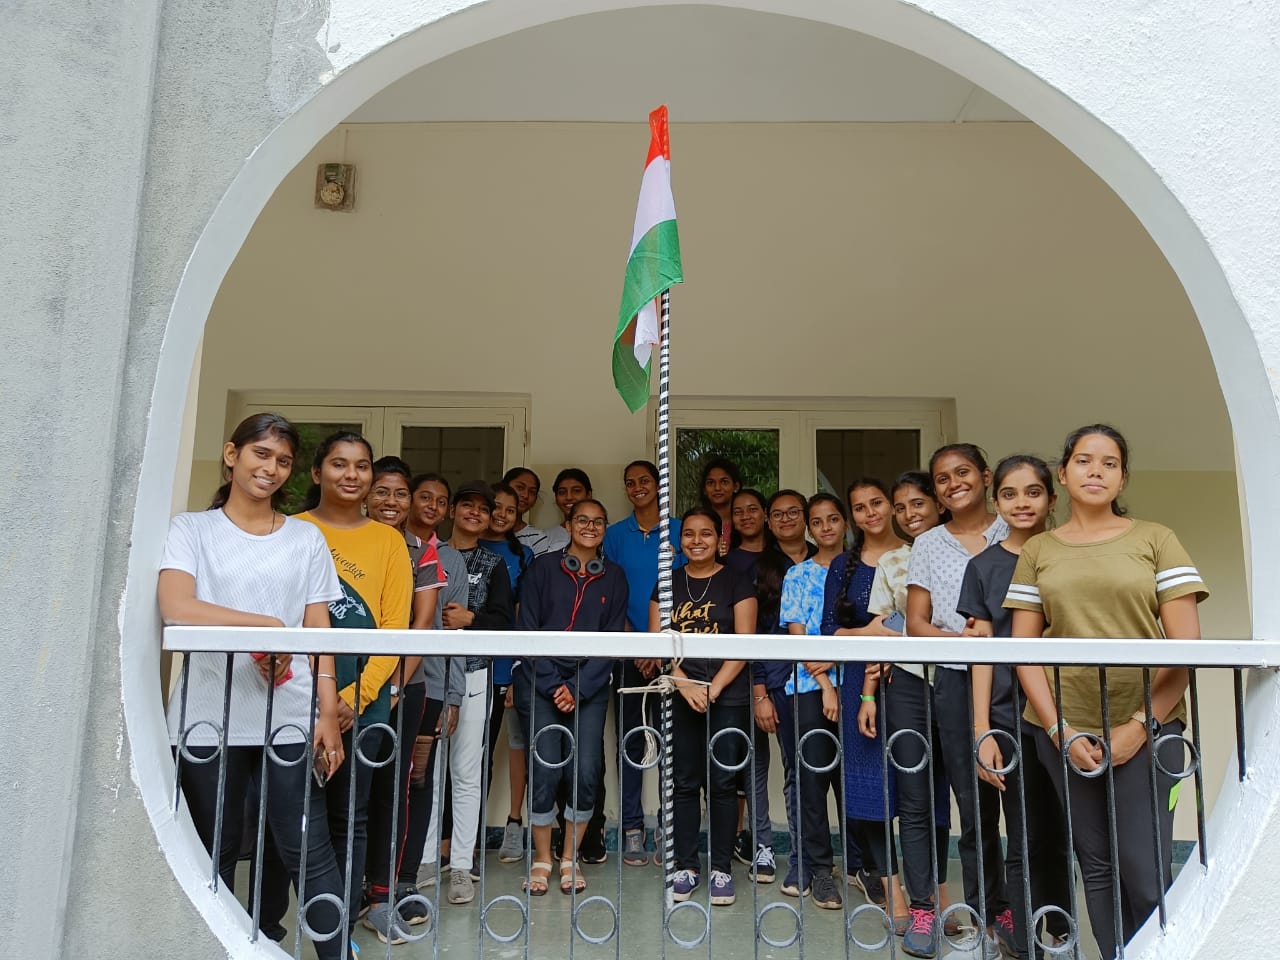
(1161,587)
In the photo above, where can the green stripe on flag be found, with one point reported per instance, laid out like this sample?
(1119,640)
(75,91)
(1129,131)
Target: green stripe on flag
(654,266)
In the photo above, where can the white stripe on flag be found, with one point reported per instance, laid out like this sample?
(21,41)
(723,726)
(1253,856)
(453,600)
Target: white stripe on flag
(646,332)
(655,205)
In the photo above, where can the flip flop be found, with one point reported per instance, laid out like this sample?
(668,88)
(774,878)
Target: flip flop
(537,883)
(571,879)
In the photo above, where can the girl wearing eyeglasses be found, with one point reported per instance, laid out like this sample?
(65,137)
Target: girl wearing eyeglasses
(573,590)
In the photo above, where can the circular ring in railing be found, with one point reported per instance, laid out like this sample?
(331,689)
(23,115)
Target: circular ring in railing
(405,930)
(820,732)
(961,941)
(711,749)
(553,728)
(488,928)
(271,745)
(1190,768)
(795,930)
(305,924)
(651,735)
(1101,768)
(1068,946)
(908,732)
(706,923)
(185,735)
(1013,752)
(858,911)
(613,919)
(359,752)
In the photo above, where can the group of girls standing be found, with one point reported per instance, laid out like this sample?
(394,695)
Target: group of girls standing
(924,556)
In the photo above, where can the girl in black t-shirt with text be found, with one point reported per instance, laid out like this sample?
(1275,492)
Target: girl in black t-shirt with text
(714,695)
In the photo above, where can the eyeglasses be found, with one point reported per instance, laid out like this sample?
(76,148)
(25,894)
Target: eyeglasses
(582,523)
(794,513)
(382,493)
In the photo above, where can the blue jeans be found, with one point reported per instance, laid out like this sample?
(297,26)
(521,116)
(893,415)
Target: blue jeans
(631,715)
(585,752)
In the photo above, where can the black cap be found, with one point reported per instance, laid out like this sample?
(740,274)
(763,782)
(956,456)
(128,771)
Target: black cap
(474,488)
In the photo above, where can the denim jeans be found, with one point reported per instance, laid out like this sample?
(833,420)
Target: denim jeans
(286,811)
(586,755)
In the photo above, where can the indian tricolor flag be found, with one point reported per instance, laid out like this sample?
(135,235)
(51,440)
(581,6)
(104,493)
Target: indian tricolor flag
(653,266)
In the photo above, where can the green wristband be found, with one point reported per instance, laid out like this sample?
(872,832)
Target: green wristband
(868,699)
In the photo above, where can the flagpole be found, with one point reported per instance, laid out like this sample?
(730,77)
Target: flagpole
(664,592)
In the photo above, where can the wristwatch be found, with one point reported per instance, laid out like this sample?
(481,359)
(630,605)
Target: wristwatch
(1151,723)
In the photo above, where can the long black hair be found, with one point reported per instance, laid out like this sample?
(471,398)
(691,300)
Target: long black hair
(924,483)
(1111,433)
(250,429)
(513,542)
(718,463)
(735,538)
(322,451)
(844,611)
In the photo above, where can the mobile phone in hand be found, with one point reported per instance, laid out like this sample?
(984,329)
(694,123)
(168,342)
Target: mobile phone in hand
(896,622)
(320,769)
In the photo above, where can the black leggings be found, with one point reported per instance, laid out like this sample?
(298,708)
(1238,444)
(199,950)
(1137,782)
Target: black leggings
(1138,816)
(691,775)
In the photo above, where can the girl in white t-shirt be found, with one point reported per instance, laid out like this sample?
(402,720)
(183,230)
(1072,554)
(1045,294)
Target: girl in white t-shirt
(243,564)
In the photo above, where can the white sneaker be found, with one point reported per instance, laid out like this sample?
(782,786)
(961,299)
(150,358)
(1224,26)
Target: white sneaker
(461,887)
(512,843)
(428,874)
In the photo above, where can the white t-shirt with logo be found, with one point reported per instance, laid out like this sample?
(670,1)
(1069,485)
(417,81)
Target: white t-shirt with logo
(276,575)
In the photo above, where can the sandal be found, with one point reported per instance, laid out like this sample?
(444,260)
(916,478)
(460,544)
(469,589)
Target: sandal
(539,875)
(571,879)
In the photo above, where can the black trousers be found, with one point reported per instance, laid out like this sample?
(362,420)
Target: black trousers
(1138,816)
(421,797)
(811,823)
(348,817)
(1051,870)
(695,773)
(286,811)
(389,794)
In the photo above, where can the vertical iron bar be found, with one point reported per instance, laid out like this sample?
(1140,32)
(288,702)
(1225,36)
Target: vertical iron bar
(530,762)
(882,729)
(1112,833)
(1201,833)
(798,763)
(1024,838)
(620,729)
(711,764)
(932,756)
(842,806)
(221,801)
(308,759)
(1066,807)
(1157,845)
(572,769)
(440,776)
(396,746)
(1241,767)
(977,810)
(482,818)
(354,759)
(751,814)
(256,894)
(182,730)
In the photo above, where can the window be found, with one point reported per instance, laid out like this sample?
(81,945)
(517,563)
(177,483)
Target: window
(754,451)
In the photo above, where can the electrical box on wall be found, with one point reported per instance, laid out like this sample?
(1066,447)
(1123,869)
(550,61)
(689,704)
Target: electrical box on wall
(336,186)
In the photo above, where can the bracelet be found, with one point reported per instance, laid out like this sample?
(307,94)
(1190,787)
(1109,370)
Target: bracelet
(1057,728)
(326,676)
(868,699)
(758,699)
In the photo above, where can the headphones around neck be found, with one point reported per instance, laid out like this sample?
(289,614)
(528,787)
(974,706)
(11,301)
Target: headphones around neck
(571,564)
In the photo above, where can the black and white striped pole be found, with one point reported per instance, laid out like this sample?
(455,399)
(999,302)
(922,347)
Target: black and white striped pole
(664,588)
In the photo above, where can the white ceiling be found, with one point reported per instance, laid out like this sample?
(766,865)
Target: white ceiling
(708,64)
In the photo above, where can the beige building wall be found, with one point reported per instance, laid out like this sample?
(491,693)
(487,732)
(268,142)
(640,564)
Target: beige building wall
(980,264)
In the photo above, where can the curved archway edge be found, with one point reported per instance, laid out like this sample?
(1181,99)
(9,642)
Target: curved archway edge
(967,37)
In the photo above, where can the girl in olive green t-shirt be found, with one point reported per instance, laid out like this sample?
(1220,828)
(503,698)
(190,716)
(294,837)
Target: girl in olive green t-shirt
(1103,575)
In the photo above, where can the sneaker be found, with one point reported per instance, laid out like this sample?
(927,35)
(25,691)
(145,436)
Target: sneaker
(742,848)
(633,852)
(1004,933)
(921,938)
(474,871)
(461,888)
(428,874)
(722,894)
(383,920)
(825,893)
(512,848)
(686,881)
(765,867)
(414,912)
(593,849)
(791,885)
(870,885)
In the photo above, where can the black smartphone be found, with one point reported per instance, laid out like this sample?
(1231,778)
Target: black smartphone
(320,769)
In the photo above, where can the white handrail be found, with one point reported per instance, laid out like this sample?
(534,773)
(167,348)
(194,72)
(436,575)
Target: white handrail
(1263,654)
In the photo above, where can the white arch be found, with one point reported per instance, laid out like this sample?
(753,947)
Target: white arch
(430,33)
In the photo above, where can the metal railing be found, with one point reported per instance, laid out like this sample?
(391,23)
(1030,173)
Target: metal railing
(689,924)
